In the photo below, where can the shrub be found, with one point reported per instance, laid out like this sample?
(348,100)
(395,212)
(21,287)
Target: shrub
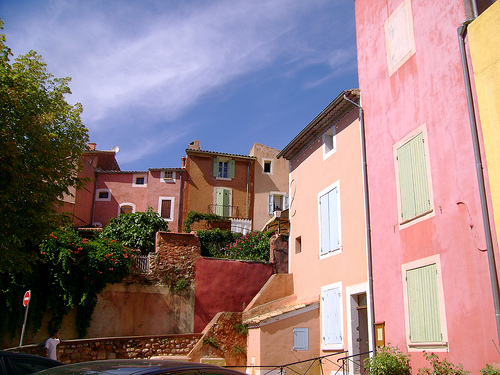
(490,370)
(76,270)
(194,216)
(251,246)
(136,230)
(441,367)
(388,361)
(214,242)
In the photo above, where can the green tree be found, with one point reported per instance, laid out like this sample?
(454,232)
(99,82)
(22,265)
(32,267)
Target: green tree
(41,141)
(136,230)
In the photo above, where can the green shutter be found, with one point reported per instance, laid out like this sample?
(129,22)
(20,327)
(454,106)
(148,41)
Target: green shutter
(423,304)
(231,168)
(216,167)
(413,180)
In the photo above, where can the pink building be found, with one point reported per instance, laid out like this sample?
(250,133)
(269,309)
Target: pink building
(320,308)
(134,191)
(432,288)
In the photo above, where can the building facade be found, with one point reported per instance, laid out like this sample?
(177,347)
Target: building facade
(432,288)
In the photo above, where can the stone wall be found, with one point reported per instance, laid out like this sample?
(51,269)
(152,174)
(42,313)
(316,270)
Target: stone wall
(72,351)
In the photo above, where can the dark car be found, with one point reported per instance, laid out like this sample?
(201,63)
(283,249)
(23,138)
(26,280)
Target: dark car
(20,363)
(140,366)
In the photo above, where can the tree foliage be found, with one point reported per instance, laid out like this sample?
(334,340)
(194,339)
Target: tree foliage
(136,230)
(41,141)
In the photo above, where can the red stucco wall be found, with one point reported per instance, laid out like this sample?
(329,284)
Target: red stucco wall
(225,285)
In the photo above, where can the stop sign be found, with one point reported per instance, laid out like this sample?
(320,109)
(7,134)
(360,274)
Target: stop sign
(26,298)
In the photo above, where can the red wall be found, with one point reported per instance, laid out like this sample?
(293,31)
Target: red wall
(225,285)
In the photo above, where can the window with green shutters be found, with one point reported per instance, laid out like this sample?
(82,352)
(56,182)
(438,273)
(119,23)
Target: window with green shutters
(423,305)
(414,194)
(223,168)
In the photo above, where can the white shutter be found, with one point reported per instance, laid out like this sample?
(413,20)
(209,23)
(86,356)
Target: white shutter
(271,204)
(286,204)
(334,219)
(325,224)
(332,323)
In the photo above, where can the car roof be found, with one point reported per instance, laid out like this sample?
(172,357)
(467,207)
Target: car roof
(139,366)
(9,354)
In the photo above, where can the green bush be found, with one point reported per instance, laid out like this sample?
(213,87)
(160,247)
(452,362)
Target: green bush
(388,361)
(214,242)
(136,230)
(441,367)
(76,270)
(490,370)
(193,217)
(251,246)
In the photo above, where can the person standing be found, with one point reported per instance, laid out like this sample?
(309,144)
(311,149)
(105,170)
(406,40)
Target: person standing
(51,345)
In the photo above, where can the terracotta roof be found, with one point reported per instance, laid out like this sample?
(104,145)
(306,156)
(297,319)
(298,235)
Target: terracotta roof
(115,171)
(278,312)
(167,169)
(204,152)
(331,115)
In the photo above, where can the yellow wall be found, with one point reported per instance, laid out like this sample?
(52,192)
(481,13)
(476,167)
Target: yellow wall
(484,39)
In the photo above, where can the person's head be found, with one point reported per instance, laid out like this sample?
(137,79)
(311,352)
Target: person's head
(55,333)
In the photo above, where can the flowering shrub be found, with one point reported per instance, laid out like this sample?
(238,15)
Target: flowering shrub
(251,246)
(388,361)
(441,367)
(77,269)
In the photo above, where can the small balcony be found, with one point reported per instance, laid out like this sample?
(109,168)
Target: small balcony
(229,212)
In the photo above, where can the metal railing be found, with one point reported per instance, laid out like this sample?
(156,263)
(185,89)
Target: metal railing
(140,264)
(225,211)
(314,366)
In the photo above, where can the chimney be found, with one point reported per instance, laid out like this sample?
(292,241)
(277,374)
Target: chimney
(183,162)
(92,146)
(195,145)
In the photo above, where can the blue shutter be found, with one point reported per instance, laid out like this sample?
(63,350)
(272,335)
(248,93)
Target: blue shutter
(325,224)
(301,338)
(329,212)
(332,324)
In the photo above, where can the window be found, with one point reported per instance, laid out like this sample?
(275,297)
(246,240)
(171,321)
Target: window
(329,142)
(139,180)
(223,168)
(167,176)
(413,181)
(126,208)
(223,202)
(267,166)
(329,220)
(399,37)
(103,195)
(298,245)
(166,208)
(277,202)
(331,314)
(423,304)
(301,339)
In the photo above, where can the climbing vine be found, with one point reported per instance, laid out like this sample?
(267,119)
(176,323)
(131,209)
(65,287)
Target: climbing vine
(193,217)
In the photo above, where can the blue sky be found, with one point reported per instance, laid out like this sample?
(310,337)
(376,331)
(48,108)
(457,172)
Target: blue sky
(153,75)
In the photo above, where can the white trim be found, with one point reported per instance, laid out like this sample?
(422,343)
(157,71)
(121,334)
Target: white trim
(172,210)
(290,314)
(335,185)
(333,346)
(351,291)
(327,153)
(126,204)
(103,190)
(140,175)
(167,180)
(440,346)
(271,161)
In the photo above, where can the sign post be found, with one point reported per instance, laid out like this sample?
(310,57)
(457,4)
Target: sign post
(26,301)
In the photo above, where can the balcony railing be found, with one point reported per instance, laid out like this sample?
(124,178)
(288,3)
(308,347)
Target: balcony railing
(225,211)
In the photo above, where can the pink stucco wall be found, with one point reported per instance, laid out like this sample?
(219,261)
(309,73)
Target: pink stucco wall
(225,285)
(426,91)
(310,175)
(123,191)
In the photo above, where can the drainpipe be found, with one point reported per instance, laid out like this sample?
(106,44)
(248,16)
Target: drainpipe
(371,307)
(248,190)
(462,31)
